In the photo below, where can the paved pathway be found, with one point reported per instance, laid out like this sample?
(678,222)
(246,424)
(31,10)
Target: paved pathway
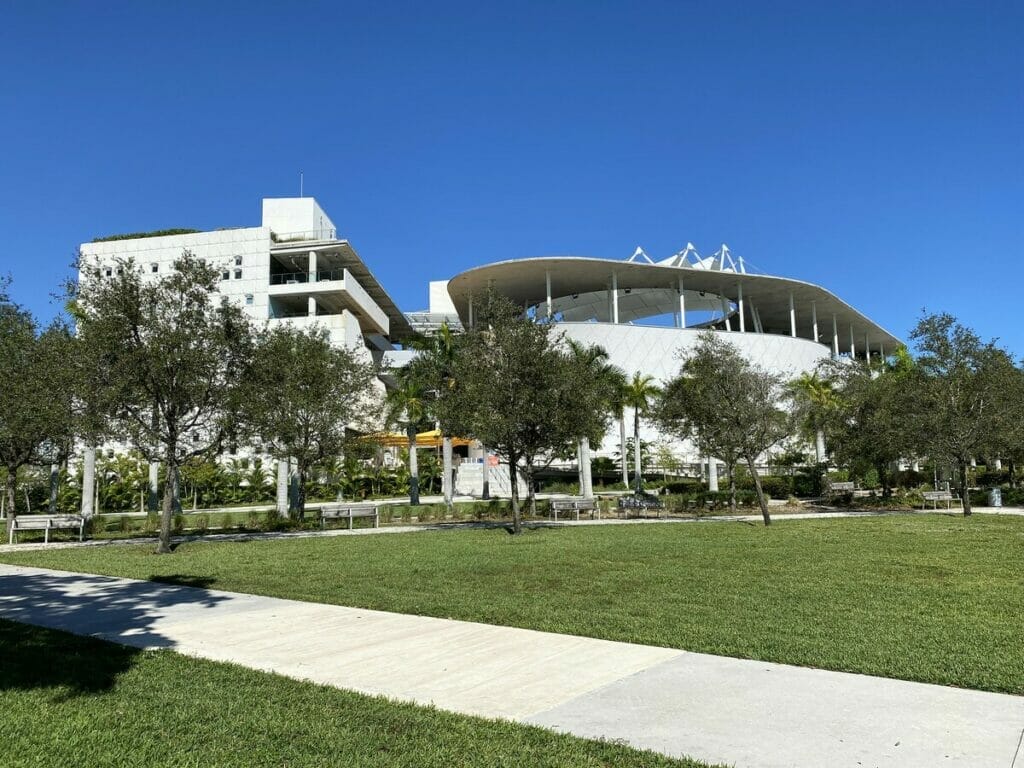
(746,713)
(468,525)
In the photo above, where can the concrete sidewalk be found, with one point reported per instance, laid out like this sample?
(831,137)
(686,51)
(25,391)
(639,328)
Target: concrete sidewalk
(717,709)
(470,525)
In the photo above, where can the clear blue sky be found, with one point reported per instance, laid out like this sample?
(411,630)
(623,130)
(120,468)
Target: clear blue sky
(876,149)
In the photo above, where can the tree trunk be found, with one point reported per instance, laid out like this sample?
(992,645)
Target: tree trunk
(636,451)
(622,449)
(963,488)
(486,494)
(760,492)
(414,470)
(300,493)
(513,479)
(163,546)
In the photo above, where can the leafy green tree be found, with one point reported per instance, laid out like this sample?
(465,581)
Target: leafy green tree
(728,405)
(963,395)
(303,394)
(640,392)
(35,398)
(168,356)
(517,391)
(815,405)
(870,414)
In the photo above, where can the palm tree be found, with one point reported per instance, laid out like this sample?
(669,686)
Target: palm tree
(816,403)
(639,393)
(610,379)
(407,406)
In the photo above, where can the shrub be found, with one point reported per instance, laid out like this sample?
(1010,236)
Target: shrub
(254,521)
(683,486)
(201,523)
(124,524)
(777,487)
(227,522)
(178,523)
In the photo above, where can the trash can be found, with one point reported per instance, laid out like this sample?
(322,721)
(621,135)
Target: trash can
(995,497)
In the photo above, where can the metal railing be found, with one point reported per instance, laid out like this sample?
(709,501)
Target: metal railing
(292,278)
(325,233)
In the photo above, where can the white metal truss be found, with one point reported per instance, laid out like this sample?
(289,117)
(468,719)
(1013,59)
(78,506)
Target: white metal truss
(720,261)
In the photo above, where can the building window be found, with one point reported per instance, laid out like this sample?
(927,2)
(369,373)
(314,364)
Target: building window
(154,267)
(108,272)
(238,261)
(248,298)
(225,275)
(238,274)
(120,270)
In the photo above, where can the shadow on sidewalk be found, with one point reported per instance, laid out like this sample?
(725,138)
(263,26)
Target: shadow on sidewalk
(125,612)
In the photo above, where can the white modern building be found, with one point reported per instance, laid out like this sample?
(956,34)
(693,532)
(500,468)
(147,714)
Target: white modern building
(291,268)
(648,314)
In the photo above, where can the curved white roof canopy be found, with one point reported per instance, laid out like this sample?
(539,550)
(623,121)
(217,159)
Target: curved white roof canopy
(580,290)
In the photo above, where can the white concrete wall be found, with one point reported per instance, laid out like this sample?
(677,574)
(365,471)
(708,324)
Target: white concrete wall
(220,249)
(440,301)
(286,215)
(657,351)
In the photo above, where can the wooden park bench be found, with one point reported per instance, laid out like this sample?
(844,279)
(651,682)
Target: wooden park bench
(351,511)
(576,506)
(46,523)
(936,496)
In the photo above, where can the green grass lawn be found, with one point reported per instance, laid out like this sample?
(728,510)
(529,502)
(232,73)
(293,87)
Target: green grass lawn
(70,701)
(929,597)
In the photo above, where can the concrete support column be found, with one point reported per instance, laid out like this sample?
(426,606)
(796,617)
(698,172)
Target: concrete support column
(725,313)
(282,488)
(446,457)
(54,486)
(153,499)
(312,267)
(622,448)
(792,316)
(88,480)
(739,304)
(867,347)
(835,337)
(587,487)
(915,466)
(814,319)
(547,285)
(311,306)
(853,345)
(999,463)
(615,298)
(712,474)
(682,305)
(471,312)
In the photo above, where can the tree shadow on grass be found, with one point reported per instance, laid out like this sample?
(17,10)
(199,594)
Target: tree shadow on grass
(129,613)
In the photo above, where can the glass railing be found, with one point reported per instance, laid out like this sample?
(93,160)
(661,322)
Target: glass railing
(292,278)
